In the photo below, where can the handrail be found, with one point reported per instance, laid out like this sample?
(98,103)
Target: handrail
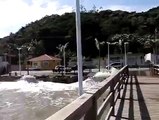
(97,102)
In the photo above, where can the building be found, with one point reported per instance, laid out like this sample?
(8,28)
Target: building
(133,60)
(44,62)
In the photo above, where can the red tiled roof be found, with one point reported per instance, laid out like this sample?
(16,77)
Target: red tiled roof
(44,57)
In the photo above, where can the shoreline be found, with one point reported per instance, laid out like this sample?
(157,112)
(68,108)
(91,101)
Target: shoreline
(9,78)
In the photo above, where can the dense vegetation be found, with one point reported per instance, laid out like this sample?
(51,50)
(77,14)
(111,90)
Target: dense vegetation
(45,35)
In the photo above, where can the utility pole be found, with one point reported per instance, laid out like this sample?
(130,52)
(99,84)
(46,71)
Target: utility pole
(79,48)
(108,55)
(125,45)
(19,60)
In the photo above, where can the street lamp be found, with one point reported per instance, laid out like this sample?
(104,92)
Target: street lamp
(19,60)
(98,47)
(28,49)
(114,43)
(79,48)
(64,56)
(125,43)
(5,57)
(155,46)
(108,54)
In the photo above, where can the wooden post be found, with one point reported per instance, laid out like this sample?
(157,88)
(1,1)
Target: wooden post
(122,80)
(92,113)
(120,84)
(113,96)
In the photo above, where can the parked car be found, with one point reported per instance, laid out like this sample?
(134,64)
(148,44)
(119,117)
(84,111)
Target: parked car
(75,67)
(33,68)
(115,64)
(60,68)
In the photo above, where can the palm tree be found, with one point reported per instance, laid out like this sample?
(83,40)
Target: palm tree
(61,49)
(97,43)
(152,43)
(64,56)
(27,48)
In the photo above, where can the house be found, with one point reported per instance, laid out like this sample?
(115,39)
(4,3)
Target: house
(44,62)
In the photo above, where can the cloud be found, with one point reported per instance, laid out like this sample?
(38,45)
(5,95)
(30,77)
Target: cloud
(17,13)
(29,2)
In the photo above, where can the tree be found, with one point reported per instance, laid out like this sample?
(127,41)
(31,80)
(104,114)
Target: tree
(151,43)
(50,31)
(62,51)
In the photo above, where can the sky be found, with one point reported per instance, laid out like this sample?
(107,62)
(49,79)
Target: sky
(15,14)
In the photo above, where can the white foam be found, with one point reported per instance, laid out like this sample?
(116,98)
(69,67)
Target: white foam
(23,98)
(24,86)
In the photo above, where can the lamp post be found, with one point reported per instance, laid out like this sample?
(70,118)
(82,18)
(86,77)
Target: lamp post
(28,49)
(64,57)
(155,47)
(114,43)
(64,61)
(5,57)
(108,54)
(19,60)
(98,47)
(79,48)
(125,45)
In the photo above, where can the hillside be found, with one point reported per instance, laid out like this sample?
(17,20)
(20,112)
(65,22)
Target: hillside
(51,31)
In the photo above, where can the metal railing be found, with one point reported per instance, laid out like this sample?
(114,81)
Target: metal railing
(98,102)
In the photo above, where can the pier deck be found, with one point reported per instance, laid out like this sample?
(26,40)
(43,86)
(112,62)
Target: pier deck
(139,99)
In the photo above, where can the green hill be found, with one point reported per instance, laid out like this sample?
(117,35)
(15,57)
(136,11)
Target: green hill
(51,31)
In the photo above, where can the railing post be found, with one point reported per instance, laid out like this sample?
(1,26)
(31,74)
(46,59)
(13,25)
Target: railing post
(126,73)
(120,84)
(122,77)
(122,80)
(152,69)
(92,113)
(113,96)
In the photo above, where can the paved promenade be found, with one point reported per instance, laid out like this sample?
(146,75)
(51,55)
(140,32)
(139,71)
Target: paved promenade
(139,100)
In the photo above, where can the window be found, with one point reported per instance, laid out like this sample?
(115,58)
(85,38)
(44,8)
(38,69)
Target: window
(35,64)
(45,63)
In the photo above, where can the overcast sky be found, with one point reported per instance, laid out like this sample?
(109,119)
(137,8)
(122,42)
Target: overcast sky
(17,13)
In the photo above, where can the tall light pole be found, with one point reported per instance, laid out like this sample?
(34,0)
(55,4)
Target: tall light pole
(64,61)
(155,47)
(64,57)
(108,54)
(19,60)
(98,47)
(79,48)
(28,49)
(125,45)
(5,57)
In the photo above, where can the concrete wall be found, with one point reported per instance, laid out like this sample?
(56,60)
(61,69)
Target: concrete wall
(14,67)
(4,67)
(1,58)
(45,65)
(132,60)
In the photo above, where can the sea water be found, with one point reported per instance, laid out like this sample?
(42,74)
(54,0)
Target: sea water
(36,101)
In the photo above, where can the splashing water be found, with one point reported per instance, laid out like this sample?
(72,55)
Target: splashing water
(36,101)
